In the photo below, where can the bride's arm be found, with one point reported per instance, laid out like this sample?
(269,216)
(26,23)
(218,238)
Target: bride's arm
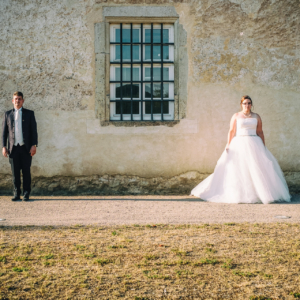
(232,130)
(259,130)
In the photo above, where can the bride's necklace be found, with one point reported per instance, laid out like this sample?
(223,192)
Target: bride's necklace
(247,116)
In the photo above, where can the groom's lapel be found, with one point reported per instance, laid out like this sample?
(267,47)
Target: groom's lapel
(12,116)
(23,113)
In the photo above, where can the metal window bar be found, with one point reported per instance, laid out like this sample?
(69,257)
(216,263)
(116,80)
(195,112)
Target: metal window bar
(142,80)
(137,43)
(144,100)
(141,63)
(151,70)
(121,70)
(161,72)
(129,81)
(145,62)
(131,72)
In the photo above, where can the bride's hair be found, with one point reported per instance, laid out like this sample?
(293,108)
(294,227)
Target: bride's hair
(246,97)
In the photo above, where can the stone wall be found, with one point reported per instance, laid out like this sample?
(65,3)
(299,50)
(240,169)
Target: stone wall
(233,48)
(47,52)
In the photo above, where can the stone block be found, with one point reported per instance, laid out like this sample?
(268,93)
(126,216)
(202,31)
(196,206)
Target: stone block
(99,38)
(140,11)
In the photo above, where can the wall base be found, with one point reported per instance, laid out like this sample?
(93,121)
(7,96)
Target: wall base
(122,185)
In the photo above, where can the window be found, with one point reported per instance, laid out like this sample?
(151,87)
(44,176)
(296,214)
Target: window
(141,72)
(141,66)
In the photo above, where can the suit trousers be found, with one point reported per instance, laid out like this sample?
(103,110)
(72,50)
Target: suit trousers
(20,159)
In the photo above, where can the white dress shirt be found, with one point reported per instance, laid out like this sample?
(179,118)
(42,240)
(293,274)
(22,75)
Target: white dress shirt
(18,127)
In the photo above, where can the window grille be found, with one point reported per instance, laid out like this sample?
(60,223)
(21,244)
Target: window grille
(141,72)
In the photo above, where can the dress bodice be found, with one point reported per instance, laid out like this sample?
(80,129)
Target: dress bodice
(246,126)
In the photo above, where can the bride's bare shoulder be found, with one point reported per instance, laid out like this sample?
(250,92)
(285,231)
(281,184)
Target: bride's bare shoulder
(233,119)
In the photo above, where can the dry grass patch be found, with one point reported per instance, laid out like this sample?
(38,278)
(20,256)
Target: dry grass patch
(230,261)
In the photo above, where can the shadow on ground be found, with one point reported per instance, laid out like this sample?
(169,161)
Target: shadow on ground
(295,199)
(116,199)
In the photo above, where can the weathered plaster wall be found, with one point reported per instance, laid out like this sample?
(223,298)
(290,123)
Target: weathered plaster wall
(234,48)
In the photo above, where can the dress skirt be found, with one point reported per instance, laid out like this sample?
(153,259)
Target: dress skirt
(247,173)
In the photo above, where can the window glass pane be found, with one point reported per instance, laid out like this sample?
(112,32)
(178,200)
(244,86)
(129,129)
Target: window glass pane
(117,35)
(126,74)
(117,74)
(118,108)
(127,107)
(156,53)
(135,107)
(156,73)
(166,73)
(126,90)
(135,74)
(147,90)
(118,54)
(147,74)
(156,107)
(136,52)
(156,36)
(126,35)
(156,90)
(135,35)
(166,52)
(166,90)
(147,35)
(126,52)
(118,90)
(166,36)
(135,90)
(147,52)
(148,107)
(166,107)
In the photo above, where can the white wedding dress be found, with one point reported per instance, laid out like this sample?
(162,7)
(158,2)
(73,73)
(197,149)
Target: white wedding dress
(247,173)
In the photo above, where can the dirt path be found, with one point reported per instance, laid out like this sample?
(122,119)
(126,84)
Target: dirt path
(114,210)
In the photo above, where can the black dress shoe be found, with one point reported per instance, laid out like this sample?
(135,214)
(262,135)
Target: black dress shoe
(26,196)
(16,198)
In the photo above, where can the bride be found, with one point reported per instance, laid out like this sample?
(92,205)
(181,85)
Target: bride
(246,172)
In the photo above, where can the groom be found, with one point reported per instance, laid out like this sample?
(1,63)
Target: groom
(19,142)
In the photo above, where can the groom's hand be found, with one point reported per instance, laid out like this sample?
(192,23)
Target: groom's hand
(32,150)
(4,152)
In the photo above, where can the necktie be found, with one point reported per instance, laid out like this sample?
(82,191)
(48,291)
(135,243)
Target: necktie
(17,127)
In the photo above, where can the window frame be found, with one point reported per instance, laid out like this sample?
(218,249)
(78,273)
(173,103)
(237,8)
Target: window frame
(157,103)
(138,14)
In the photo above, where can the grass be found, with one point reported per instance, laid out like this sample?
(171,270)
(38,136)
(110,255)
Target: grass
(229,261)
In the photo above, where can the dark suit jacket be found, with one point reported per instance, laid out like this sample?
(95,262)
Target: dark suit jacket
(29,129)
